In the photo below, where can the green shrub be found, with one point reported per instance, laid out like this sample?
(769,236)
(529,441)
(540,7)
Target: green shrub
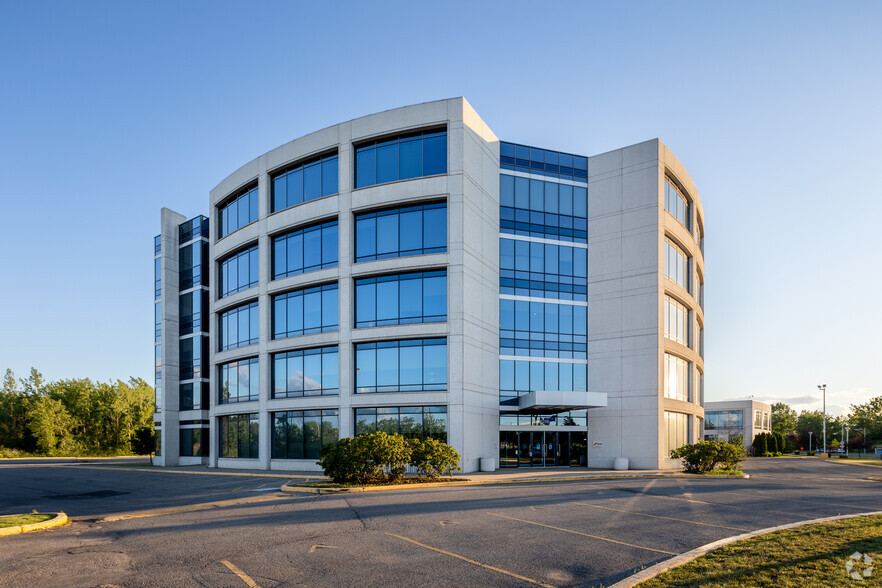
(760,445)
(811,453)
(379,457)
(704,456)
(432,458)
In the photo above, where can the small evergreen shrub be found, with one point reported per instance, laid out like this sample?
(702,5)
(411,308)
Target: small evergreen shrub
(760,446)
(705,456)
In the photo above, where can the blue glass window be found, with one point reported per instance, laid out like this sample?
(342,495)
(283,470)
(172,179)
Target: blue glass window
(157,320)
(419,422)
(306,372)
(157,278)
(192,258)
(239,381)
(193,353)
(542,270)
(193,306)
(676,204)
(238,212)
(542,329)
(300,434)
(401,299)
(194,395)
(239,272)
(194,441)
(305,250)
(541,161)
(239,326)
(401,366)
(400,158)
(311,310)
(195,228)
(398,232)
(517,378)
(315,178)
(549,210)
(239,436)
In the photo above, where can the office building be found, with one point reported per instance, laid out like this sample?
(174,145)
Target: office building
(408,271)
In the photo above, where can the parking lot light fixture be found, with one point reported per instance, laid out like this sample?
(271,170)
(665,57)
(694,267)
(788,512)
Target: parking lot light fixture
(823,389)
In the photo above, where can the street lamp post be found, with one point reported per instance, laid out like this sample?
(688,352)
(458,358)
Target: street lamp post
(810,441)
(823,389)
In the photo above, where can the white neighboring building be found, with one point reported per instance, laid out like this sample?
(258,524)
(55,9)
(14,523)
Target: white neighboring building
(407,271)
(729,419)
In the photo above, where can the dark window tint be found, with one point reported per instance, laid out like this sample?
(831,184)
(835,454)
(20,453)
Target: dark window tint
(239,435)
(300,434)
(419,422)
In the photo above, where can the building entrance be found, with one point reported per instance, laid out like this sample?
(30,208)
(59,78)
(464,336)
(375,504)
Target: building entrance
(542,448)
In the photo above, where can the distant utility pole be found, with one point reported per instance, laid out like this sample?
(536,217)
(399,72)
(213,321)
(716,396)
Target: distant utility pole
(823,388)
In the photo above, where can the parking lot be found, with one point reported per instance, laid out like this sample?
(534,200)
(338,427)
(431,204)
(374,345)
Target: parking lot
(217,530)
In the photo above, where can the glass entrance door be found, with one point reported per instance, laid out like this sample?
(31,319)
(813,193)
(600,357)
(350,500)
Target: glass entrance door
(542,448)
(525,449)
(508,449)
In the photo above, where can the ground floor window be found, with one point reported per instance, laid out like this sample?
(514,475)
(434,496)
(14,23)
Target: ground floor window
(410,421)
(571,418)
(300,434)
(194,442)
(677,431)
(543,448)
(157,440)
(239,434)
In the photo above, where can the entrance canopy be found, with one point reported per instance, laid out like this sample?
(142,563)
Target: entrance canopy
(555,401)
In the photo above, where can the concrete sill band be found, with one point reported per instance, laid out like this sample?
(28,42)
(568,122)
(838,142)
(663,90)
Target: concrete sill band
(59,520)
(684,558)
(310,490)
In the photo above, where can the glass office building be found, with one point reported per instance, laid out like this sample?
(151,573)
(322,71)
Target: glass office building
(409,272)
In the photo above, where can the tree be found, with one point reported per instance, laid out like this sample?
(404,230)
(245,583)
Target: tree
(784,418)
(868,416)
(49,422)
(760,447)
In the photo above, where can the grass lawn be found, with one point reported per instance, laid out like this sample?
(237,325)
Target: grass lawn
(23,519)
(873,461)
(811,555)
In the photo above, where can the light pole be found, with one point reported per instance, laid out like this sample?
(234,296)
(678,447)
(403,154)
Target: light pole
(823,389)
(810,441)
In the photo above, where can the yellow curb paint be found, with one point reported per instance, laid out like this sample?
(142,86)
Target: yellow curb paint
(245,578)
(582,534)
(59,520)
(473,562)
(643,514)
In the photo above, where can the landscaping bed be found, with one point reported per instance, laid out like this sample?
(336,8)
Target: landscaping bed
(810,555)
(23,519)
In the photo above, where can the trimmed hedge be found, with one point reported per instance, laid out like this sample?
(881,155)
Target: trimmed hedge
(705,456)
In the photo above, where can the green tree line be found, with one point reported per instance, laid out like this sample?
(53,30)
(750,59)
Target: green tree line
(796,427)
(75,417)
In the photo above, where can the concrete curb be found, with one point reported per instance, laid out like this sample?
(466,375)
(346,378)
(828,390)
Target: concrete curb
(307,490)
(161,470)
(846,462)
(59,520)
(684,558)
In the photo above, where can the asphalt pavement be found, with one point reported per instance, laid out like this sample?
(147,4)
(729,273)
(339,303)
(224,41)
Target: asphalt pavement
(238,531)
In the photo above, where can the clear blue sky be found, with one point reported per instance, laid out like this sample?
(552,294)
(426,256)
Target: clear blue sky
(111,110)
